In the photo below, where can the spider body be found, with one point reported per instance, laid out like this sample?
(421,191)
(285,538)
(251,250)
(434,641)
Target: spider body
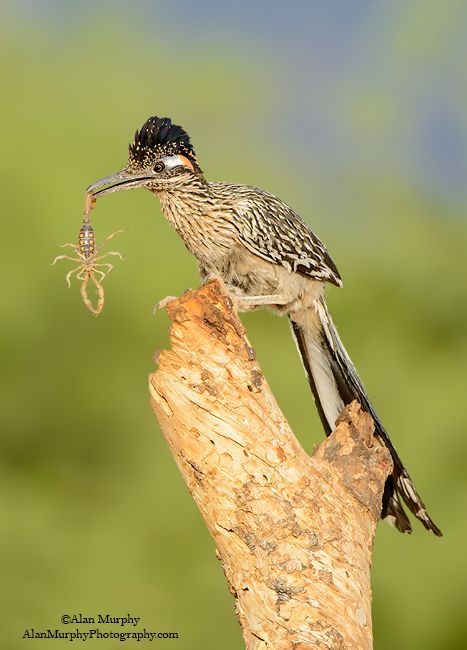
(87,241)
(89,264)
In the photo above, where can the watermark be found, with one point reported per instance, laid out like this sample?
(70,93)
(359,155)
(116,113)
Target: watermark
(89,633)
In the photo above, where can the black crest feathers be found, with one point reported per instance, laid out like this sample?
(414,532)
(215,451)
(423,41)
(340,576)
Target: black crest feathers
(159,137)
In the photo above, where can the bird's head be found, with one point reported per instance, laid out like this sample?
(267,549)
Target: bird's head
(160,158)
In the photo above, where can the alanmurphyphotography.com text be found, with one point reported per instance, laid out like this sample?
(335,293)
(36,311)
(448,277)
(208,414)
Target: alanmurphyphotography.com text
(91,633)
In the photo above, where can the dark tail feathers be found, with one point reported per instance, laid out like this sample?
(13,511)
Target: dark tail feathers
(335,383)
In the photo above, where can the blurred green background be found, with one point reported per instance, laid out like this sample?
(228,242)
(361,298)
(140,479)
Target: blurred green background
(355,113)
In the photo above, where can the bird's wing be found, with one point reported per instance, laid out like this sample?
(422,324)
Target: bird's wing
(273,231)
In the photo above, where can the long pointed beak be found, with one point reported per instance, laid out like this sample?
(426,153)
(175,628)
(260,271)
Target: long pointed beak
(122,180)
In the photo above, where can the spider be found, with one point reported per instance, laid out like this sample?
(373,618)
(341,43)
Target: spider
(87,256)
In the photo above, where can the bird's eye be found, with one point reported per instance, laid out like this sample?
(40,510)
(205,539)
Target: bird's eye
(159,167)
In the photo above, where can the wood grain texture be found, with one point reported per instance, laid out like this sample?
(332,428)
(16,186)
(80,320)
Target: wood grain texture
(294,533)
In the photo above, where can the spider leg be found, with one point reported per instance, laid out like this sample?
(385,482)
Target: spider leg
(64,257)
(69,244)
(84,293)
(107,264)
(70,273)
(109,237)
(117,254)
(100,296)
(101,273)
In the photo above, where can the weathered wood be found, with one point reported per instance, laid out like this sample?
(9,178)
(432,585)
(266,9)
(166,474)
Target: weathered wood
(294,533)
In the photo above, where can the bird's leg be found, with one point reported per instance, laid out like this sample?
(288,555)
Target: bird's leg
(242,302)
(163,303)
(233,292)
(210,276)
(248,303)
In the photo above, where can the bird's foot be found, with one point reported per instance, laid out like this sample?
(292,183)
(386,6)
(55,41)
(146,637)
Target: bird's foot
(162,304)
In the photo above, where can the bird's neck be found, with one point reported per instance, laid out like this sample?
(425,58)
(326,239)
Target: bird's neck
(198,212)
(184,201)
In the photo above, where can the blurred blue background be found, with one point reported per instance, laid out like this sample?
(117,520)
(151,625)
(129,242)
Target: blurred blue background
(355,113)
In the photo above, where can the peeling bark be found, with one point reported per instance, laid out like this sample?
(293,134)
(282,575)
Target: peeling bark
(294,533)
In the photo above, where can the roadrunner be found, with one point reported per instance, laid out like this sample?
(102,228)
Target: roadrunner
(267,257)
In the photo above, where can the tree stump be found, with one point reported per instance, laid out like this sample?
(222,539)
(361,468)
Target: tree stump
(294,533)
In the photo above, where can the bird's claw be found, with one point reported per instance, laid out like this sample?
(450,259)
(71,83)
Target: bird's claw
(163,303)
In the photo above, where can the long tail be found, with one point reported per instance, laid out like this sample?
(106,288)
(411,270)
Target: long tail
(335,383)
